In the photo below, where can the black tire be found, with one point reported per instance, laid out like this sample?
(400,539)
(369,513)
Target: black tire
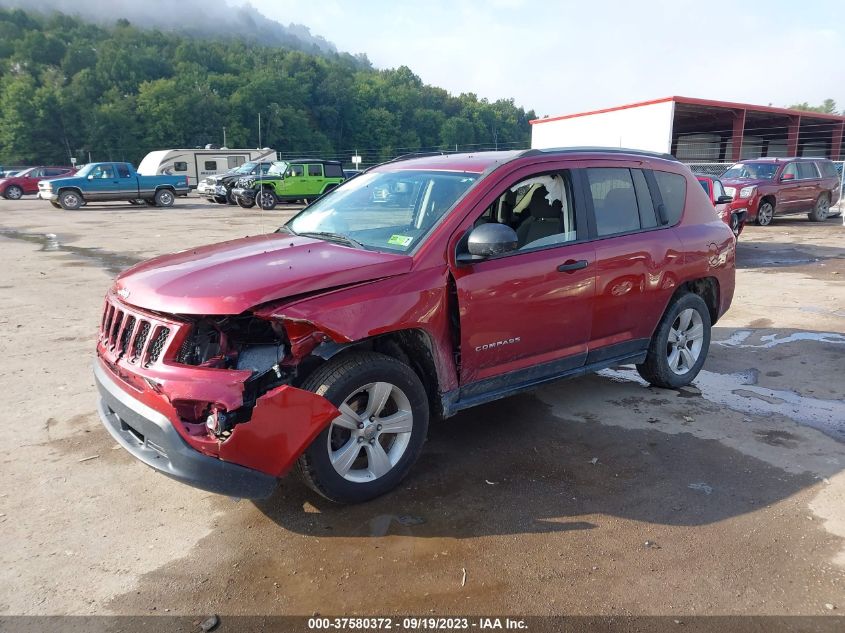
(56,204)
(821,210)
(266,199)
(13,192)
(735,224)
(342,379)
(246,203)
(70,200)
(230,198)
(765,213)
(149,202)
(164,198)
(657,369)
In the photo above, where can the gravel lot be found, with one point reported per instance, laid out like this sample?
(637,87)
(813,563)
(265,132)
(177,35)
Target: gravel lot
(595,496)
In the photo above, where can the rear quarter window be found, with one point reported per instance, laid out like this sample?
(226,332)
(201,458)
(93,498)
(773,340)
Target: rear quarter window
(334,171)
(827,169)
(673,190)
(807,170)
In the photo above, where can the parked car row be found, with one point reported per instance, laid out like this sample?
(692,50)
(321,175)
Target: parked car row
(269,183)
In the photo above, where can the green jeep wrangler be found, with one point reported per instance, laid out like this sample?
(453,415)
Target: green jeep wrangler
(289,181)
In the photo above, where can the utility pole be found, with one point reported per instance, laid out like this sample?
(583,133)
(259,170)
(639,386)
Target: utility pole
(259,130)
(224,136)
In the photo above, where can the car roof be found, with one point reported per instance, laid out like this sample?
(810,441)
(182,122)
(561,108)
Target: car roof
(309,160)
(774,159)
(480,162)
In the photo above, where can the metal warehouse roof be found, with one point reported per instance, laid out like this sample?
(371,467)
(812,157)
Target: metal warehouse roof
(728,105)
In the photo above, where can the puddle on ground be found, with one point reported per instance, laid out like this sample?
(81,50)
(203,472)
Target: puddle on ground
(115,263)
(738,338)
(739,391)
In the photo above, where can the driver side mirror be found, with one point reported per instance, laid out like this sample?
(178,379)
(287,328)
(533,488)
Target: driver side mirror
(90,176)
(788,177)
(488,240)
(724,199)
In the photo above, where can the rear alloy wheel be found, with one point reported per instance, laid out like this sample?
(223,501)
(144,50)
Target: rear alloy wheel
(372,444)
(679,346)
(164,198)
(266,199)
(765,213)
(13,192)
(821,210)
(70,200)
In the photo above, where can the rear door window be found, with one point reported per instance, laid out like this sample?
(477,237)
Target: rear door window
(315,171)
(807,170)
(673,190)
(614,200)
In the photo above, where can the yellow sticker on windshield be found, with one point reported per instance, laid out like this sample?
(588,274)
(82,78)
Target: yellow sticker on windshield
(400,240)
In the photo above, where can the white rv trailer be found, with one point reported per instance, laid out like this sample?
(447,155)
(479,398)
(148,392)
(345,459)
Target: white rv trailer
(199,163)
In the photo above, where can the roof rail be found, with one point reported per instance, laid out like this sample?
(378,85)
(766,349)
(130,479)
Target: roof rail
(597,149)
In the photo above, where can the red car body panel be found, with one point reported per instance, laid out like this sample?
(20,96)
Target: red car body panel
(326,294)
(230,277)
(29,183)
(724,209)
(270,447)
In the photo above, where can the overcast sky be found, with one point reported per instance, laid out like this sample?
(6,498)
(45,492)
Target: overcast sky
(559,57)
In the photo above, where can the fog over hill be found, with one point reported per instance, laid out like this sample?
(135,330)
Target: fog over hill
(192,17)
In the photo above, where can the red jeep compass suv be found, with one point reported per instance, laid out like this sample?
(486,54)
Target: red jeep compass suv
(329,344)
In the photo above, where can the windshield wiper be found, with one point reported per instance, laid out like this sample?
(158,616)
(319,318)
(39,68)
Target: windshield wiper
(333,237)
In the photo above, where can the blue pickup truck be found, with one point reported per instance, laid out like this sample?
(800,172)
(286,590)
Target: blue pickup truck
(101,182)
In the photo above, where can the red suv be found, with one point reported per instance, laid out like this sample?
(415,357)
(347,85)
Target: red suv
(769,186)
(329,344)
(26,182)
(734,218)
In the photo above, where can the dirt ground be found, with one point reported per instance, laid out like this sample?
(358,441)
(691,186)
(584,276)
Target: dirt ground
(595,496)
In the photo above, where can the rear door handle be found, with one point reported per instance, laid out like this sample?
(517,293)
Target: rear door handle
(572,266)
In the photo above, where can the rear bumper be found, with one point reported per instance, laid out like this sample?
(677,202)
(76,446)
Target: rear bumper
(150,437)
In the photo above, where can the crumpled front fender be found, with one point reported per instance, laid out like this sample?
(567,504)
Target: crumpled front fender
(284,422)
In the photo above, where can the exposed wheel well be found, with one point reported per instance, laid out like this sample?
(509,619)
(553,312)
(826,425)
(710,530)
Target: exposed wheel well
(770,199)
(74,189)
(708,289)
(412,347)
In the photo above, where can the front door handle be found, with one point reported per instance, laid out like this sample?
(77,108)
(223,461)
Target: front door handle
(571,266)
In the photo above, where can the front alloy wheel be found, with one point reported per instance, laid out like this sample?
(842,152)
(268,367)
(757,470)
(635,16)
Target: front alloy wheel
(13,192)
(367,449)
(372,433)
(765,214)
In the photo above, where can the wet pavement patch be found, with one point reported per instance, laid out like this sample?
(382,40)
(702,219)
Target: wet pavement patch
(114,263)
(769,255)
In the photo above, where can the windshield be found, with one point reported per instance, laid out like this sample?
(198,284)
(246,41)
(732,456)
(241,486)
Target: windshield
(245,168)
(388,211)
(86,169)
(278,168)
(760,171)
(25,172)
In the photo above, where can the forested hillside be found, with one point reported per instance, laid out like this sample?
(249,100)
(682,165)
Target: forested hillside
(68,88)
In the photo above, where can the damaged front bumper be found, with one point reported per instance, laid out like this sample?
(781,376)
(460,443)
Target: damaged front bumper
(247,464)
